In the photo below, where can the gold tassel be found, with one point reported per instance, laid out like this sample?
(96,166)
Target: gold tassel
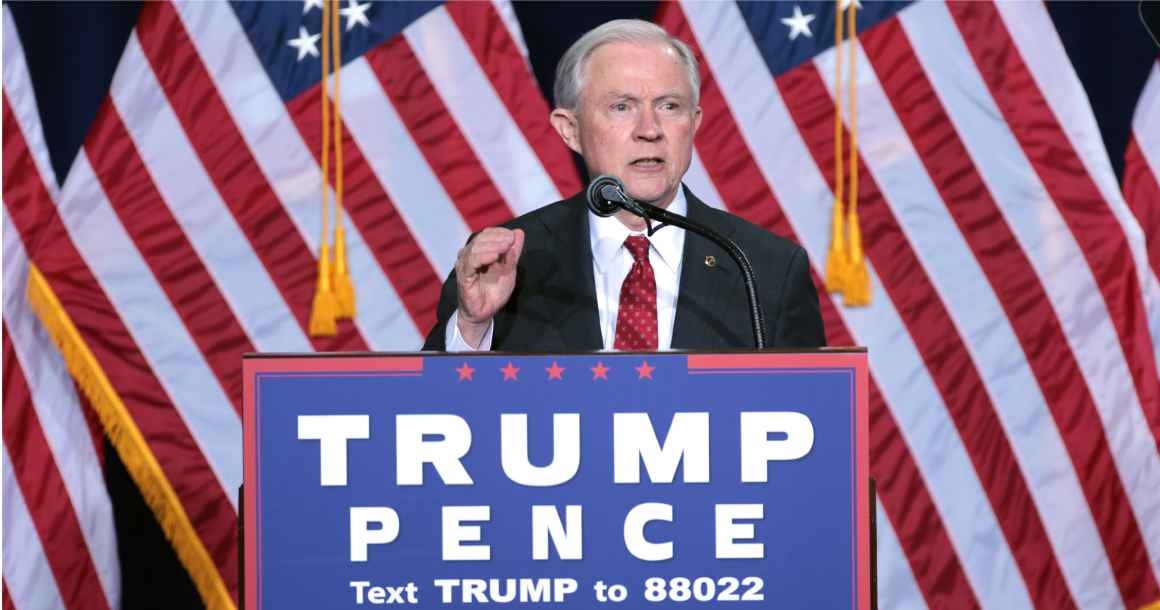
(324,309)
(857,288)
(343,286)
(838,258)
(857,292)
(129,442)
(1152,606)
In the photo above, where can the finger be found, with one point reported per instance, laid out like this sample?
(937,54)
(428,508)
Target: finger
(462,270)
(512,256)
(493,236)
(485,255)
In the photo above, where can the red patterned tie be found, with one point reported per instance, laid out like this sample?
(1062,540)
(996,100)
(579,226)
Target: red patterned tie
(636,322)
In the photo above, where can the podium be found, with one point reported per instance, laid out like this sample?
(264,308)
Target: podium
(566,481)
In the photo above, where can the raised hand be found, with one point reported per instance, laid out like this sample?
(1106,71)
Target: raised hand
(485,272)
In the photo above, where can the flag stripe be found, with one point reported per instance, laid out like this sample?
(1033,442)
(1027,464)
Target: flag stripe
(18,82)
(437,135)
(1142,172)
(1043,457)
(158,238)
(42,486)
(906,279)
(400,166)
(897,588)
(1103,246)
(1084,209)
(733,169)
(911,513)
(481,116)
(501,59)
(117,353)
(28,579)
(196,208)
(154,325)
(1142,191)
(62,418)
(195,417)
(1146,118)
(388,314)
(210,129)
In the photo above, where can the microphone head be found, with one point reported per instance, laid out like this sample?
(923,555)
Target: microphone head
(605,195)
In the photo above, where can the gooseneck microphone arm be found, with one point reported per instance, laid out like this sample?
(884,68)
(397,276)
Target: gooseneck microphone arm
(606,196)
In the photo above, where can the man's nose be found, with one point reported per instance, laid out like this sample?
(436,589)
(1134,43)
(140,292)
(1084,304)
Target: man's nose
(648,127)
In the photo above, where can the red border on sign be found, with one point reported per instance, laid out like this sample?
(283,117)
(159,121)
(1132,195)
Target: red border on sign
(327,364)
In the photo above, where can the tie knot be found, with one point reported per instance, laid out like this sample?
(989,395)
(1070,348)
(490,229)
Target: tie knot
(637,246)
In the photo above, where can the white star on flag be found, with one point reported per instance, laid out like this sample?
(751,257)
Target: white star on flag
(309,4)
(356,14)
(305,43)
(799,23)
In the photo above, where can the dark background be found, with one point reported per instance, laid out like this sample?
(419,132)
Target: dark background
(72,50)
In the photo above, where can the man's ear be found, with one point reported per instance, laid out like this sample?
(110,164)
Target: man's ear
(696,119)
(568,126)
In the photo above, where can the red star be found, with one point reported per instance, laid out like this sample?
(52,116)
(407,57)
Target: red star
(644,371)
(600,371)
(465,372)
(509,372)
(556,372)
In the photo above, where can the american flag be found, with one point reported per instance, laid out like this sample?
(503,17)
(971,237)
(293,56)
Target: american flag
(1014,330)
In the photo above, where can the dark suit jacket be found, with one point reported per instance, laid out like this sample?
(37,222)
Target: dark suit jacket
(553,307)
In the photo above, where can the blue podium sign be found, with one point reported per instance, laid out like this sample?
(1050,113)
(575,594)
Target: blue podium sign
(568,481)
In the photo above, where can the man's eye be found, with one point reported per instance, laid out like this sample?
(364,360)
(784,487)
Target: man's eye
(620,107)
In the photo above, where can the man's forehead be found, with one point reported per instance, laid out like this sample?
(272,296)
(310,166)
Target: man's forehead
(615,75)
(613,48)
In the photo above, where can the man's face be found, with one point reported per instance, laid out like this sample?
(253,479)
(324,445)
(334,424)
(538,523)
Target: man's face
(636,119)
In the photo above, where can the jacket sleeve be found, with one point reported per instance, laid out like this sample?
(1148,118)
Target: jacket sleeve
(448,301)
(799,323)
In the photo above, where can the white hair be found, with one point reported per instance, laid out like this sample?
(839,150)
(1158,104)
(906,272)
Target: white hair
(570,70)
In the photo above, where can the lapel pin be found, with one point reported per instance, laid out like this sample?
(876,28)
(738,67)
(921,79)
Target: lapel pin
(710,261)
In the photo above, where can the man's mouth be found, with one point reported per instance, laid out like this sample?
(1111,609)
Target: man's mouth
(648,162)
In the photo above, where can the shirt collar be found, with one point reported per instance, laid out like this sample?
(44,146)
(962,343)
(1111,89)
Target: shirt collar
(607,235)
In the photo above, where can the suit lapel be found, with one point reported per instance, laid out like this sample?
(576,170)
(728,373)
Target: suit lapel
(709,279)
(578,320)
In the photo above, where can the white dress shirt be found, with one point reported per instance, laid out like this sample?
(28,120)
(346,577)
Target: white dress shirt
(611,262)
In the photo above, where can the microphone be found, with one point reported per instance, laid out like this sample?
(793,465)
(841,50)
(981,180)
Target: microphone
(606,196)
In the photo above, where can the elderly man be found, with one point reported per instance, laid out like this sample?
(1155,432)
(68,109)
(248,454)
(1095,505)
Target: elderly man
(561,278)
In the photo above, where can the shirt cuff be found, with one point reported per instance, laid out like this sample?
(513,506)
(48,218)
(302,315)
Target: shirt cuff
(454,342)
